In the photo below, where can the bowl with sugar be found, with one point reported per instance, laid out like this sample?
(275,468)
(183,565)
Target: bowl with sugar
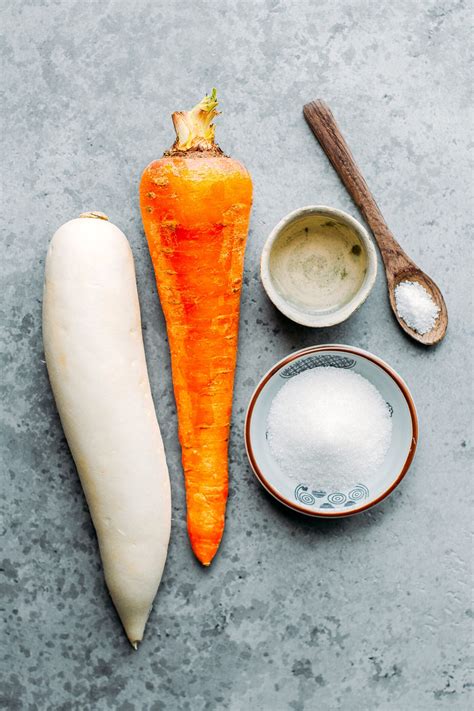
(331,430)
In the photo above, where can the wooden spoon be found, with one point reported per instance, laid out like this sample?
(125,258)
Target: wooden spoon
(398,266)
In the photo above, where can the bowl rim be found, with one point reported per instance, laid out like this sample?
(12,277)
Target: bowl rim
(344,349)
(346,310)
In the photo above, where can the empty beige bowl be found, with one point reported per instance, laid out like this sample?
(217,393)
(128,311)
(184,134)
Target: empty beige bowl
(318,265)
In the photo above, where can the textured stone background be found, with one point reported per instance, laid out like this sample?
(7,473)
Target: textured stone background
(368,613)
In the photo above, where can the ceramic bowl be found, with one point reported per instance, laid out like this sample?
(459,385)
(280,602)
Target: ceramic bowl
(316,501)
(335,314)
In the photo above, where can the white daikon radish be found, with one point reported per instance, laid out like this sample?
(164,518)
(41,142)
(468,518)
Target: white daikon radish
(96,364)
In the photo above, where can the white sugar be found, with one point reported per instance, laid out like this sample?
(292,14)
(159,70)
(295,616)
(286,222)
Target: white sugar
(415,306)
(329,428)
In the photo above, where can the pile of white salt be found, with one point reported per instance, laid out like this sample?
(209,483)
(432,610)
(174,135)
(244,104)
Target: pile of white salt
(329,428)
(415,306)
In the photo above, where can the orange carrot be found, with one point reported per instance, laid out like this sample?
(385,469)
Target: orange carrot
(195,205)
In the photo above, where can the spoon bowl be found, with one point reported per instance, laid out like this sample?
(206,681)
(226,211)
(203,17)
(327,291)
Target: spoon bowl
(412,273)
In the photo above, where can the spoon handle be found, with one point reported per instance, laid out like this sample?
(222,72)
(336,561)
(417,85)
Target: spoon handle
(324,126)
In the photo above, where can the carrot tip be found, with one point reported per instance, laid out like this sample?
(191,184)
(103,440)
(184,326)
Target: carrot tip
(206,556)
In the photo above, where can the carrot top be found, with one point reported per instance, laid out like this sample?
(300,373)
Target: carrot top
(194,129)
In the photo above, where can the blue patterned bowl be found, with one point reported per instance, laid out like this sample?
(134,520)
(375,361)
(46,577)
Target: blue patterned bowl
(315,501)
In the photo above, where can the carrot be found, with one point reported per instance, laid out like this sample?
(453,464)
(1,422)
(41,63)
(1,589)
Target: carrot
(195,205)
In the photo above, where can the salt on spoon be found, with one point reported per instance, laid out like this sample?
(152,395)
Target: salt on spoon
(415,306)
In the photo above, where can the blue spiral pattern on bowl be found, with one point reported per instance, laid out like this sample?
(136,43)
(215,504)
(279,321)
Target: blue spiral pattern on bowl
(359,492)
(337,498)
(334,499)
(303,496)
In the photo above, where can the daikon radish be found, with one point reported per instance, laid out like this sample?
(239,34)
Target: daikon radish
(96,364)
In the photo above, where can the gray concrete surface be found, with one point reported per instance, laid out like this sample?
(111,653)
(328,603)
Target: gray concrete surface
(368,613)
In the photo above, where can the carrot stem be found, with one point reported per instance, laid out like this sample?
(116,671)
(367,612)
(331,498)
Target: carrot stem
(194,129)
